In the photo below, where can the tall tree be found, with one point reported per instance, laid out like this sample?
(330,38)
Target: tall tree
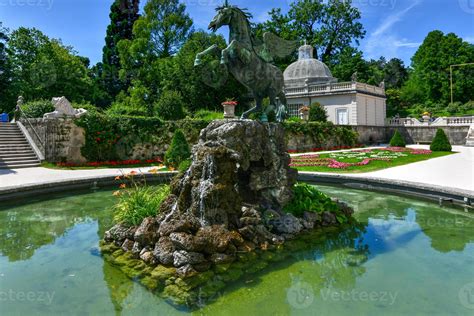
(329,26)
(44,67)
(430,78)
(123,14)
(157,36)
(190,81)
(6,98)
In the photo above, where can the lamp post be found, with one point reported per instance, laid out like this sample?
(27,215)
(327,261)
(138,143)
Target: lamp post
(451,75)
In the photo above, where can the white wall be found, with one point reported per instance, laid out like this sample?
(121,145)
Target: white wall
(371,110)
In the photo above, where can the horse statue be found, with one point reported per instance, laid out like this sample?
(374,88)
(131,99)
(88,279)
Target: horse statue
(249,59)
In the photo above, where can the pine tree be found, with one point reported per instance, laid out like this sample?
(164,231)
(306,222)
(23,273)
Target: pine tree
(123,14)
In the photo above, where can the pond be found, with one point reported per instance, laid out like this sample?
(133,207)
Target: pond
(407,256)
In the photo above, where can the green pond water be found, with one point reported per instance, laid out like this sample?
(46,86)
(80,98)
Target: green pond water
(408,257)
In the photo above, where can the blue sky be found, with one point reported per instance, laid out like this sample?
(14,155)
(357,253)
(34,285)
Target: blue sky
(395,28)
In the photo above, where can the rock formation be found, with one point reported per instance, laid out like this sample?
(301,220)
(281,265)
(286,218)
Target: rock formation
(228,203)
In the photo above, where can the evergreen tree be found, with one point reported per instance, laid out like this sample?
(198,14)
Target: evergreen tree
(179,150)
(123,14)
(440,142)
(6,99)
(397,140)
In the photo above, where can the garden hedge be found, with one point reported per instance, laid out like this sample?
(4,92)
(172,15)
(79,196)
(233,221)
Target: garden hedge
(110,137)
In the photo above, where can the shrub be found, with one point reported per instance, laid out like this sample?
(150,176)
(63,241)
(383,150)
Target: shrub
(170,106)
(184,165)
(139,202)
(179,150)
(453,108)
(294,119)
(309,199)
(397,140)
(37,108)
(440,142)
(317,113)
(207,115)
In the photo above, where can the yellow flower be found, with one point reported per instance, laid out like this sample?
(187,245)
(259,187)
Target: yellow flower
(154,170)
(116,193)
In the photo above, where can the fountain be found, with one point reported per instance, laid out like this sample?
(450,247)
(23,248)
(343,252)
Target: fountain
(223,218)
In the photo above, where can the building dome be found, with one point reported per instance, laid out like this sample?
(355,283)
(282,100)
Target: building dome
(307,70)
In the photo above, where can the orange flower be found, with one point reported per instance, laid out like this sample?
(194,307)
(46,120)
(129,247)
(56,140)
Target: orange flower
(117,178)
(123,186)
(133,172)
(116,193)
(154,170)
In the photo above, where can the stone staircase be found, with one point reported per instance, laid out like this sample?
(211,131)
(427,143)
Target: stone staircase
(15,151)
(470,137)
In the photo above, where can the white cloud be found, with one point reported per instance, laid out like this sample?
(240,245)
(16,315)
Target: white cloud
(469,39)
(383,41)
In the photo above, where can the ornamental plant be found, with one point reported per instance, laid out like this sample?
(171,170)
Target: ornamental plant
(440,142)
(138,202)
(179,150)
(309,199)
(397,140)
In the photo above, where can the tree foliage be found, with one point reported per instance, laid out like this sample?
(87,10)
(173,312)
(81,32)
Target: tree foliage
(328,26)
(123,14)
(430,79)
(6,98)
(317,113)
(44,68)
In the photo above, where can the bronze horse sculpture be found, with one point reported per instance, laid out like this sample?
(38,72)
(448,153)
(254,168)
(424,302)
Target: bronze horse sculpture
(249,59)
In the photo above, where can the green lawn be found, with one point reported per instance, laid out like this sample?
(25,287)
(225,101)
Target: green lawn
(321,163)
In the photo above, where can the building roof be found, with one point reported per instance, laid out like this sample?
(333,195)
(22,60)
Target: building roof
(307,70)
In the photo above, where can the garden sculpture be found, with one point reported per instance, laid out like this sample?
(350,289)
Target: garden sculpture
(248,59)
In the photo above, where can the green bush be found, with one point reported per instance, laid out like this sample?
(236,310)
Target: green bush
(170,106)
(179,150)
(184,165)
(294,119)
(440,142)
(317,113)
(397,140)
(207,115)
(309,199)
(139,202)
(38,108)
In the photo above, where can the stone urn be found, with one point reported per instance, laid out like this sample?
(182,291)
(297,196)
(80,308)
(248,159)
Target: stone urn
(426,117)
(229,109)
(304,113)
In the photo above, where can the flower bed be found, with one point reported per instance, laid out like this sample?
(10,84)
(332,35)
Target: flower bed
(326,149)
(361,160)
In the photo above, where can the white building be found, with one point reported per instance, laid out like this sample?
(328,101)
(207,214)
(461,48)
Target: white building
(308,80)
